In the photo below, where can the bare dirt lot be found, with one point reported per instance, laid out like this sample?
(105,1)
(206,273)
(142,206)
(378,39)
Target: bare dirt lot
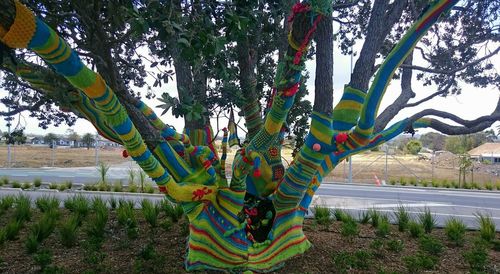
(365,166)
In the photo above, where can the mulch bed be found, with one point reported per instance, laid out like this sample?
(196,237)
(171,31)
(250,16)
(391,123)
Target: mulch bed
(123,255)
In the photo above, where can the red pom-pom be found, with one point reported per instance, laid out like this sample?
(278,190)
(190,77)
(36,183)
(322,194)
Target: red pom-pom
(316,147)
(124,153)
(256,173)
(341,137)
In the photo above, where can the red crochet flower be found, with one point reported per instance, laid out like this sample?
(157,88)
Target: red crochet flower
(124,153)
(340,138)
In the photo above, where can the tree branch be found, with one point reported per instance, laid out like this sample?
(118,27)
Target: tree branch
(20,109)
(453,71)
(345,5)
(439,92)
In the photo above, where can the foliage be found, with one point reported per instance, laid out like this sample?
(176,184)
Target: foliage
(349,228)
(455,231)
(340,214)
(364,217)
(172,211)
(433,140)
(477,257)
(12,229)
(88,139)
(345,261)
(430,245)
(37,182)
(150,212)
(415,229)
(487,227)
(68,231)
(427,220)
(322,215)
(413,147)
(22,208)
(402,217)
(47,203)
(383,227)
(78,204)
(375,217)
(395,245)
(17,136)
(103,169)
(419,261)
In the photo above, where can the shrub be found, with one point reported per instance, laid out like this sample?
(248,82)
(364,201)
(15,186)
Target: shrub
(26,185)
(445,184)
(345,261)
(402,181)
(395,245)
(97,224)
(68,231)
(497,185)
(6,203)
(349,228)
(454,184)
(475,185)
(69,184)
(31,243)
(487,227)
(16,184)
(374,217)
(47,203)
(45,226)
(392,181)
(103,186)
(419,261)
(435,183)
(467,185)
(61,187)
(415,229)
(150,212)
(103,169)
(383,228)
(477,257)
(413,182)
(340,214)
(126,217)
(112,202)
(495,244)
(175,211)
(148,188)
(322,215)
(52,186)
(37,182)
(488,186)
(425,183)
(166,224)
(402,218)
(364,217)
(3,237)
(132,187)
(413,147)
(455,231)
(427,220)
(12,229)
(43,258)
(118,186)
(430,245)
(4,181)
(23,208)
(78,204)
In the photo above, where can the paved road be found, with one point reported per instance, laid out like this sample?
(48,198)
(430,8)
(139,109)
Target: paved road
(354,198)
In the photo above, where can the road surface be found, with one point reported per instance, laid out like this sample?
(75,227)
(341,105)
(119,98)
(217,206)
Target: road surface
(444,203)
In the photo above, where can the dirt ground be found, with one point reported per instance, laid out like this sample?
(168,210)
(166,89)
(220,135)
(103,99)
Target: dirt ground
(365,166)
(119,254)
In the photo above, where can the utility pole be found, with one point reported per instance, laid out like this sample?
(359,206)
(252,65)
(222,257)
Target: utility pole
(52,154)
(386,155)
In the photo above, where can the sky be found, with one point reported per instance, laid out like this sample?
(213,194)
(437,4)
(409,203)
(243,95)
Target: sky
(472,103)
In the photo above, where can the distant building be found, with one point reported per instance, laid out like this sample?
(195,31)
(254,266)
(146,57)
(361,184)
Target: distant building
(487,152)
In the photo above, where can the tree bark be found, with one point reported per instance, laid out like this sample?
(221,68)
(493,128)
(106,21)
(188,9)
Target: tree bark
(323,99)
(406,94)
(383,17)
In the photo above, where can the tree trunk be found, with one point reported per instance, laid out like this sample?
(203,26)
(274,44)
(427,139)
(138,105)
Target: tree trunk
(323,99)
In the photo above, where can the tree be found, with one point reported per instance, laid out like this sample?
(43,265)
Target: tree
(50,138)
(15,137)
(413,147)
(433,140)
(254,221)
(88,139)
(73,136)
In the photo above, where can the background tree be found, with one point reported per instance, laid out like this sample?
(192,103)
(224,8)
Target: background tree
(433,140)
(50,138)
(413,147)
(73,136)
(88,140)
(15,137)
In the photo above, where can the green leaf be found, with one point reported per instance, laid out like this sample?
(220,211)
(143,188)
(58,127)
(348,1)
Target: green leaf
(184,42)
